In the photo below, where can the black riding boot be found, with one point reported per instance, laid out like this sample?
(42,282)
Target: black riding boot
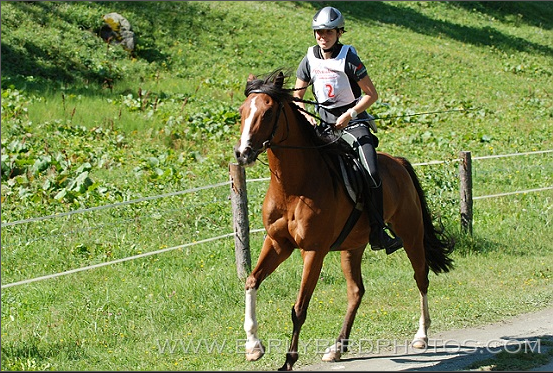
(379,238)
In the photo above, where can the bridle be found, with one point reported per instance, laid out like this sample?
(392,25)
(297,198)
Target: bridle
(267,143)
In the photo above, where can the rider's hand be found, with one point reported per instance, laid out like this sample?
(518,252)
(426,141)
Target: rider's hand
(342,121)
(311,119)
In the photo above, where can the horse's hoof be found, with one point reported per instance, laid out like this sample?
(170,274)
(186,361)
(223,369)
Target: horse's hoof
(285,368)
(256,352)
(332,356)
(419,343)
(333,353)
(254,355)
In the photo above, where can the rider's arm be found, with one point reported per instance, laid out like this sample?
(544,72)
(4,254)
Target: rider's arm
(299,93)
(370,96)
(357,72)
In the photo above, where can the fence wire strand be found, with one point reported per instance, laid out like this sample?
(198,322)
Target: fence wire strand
(191,190)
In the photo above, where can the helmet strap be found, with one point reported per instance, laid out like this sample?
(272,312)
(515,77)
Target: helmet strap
(333,48)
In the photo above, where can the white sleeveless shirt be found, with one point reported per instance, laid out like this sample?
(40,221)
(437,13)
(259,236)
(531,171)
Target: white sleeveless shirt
(330,82)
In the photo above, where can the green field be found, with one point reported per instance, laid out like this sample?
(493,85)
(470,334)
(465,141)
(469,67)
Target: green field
(125,147)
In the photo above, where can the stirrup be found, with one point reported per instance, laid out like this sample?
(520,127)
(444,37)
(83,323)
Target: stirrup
(379,240)
(396,245)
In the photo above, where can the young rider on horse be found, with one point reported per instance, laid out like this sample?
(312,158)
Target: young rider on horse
(339,80)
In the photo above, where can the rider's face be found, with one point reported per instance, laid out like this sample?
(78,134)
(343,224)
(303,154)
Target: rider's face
(326,38)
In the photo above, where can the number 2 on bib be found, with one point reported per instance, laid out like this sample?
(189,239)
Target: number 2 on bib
(330,91)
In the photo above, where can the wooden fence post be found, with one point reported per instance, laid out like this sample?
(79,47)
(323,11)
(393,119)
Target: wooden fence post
(465,188)
(239,202)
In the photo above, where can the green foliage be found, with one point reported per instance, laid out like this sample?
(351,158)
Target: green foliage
(86,124)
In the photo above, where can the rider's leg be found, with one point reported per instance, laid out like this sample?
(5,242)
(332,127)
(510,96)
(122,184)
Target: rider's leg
(379,237)
(361,140)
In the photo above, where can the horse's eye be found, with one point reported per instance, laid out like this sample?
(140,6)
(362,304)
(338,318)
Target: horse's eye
(267,115)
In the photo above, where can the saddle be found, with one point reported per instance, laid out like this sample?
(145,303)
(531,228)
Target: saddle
(346,163)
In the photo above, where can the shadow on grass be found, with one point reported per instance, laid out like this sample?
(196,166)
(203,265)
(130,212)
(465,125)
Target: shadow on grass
(469,245)
(33,354)
(33,65)
(534,13)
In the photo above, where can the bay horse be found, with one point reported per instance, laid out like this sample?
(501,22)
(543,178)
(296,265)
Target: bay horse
(306,207)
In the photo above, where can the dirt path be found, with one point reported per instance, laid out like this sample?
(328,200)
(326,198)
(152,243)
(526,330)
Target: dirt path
(454,349)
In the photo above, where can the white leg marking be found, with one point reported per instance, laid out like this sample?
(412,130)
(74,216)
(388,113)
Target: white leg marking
(333,353)
(421,338)
(250,321)
(245,137)
(254,348)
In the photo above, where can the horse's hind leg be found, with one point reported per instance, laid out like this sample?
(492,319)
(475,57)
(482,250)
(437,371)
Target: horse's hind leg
(421,338)
(351,266)
(416,255)
(270,258)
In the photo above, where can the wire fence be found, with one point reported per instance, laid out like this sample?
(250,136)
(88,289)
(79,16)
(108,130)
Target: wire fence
(168,221)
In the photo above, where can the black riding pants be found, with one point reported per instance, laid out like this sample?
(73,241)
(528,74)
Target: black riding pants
(359,137)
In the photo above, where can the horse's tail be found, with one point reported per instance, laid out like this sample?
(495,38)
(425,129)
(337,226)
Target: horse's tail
(438,245)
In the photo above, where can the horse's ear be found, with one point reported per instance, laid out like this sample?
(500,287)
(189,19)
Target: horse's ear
(279,79)
(251,77)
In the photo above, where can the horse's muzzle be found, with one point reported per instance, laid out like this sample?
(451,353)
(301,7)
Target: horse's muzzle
(246,157)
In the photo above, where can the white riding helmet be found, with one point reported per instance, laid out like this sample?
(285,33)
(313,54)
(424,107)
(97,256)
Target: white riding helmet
(328,18)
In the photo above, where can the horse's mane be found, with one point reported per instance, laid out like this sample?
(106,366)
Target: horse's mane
(268,85)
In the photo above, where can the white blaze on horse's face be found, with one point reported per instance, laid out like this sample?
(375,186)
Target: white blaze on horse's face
(252,141)
(245,138)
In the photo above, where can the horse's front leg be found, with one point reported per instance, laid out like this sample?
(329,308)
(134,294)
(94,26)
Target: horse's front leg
(312,265)
(270,258)
(351,267)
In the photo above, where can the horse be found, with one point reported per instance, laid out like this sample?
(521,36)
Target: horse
(306,207)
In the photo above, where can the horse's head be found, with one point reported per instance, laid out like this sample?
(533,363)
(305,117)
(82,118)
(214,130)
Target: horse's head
(259,117)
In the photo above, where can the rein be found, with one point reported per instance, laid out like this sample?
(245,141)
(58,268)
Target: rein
(376,116)
(309,102)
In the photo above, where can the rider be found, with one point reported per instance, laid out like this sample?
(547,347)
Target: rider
(339,80)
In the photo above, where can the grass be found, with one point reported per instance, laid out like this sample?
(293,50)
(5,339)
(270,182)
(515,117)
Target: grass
(84,126)
(117,314)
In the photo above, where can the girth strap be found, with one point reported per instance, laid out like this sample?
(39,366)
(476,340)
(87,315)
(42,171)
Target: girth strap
(352,177)
(352,219)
